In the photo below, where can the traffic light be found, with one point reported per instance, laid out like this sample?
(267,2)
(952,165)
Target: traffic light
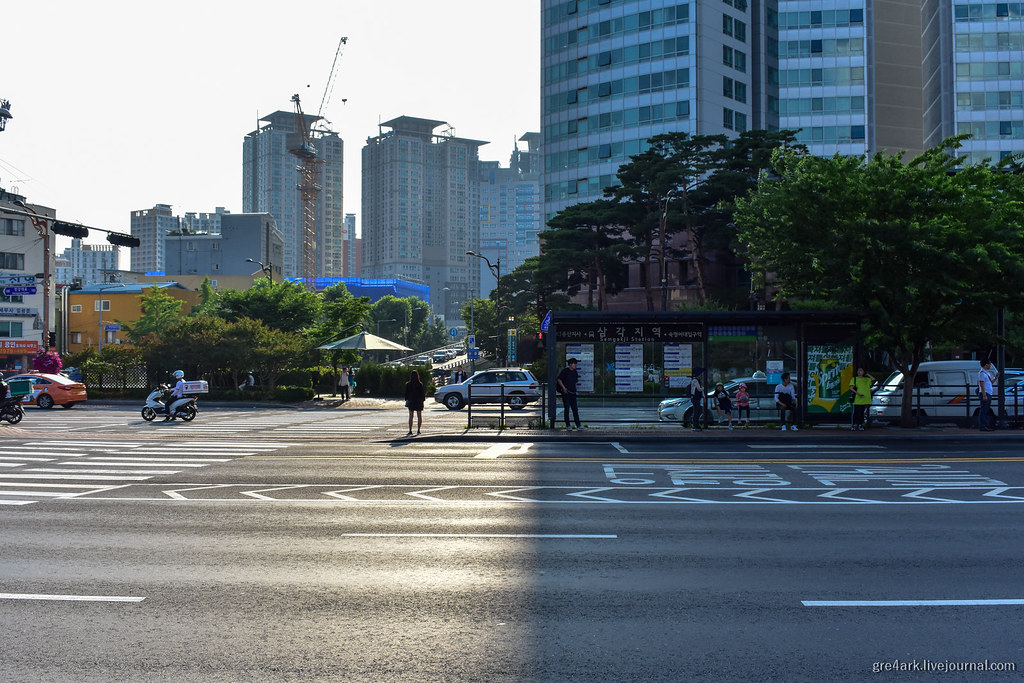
(123,240)
(69,229)
(51,339)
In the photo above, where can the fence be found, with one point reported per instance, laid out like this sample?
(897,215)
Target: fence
(495,410)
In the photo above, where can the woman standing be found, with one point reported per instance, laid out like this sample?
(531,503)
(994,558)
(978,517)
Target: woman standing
(343,384)
(415,394)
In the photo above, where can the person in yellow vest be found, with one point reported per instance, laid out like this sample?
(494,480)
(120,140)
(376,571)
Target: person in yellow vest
(860,390)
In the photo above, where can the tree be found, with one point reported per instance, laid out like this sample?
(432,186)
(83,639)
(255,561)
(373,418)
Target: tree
(160,310)
(588,243)
(925,249)
(663,184)
(280,305)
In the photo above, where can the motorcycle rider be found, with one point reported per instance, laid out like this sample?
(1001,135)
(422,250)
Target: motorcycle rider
(177,392)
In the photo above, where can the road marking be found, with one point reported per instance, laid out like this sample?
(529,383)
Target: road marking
(617,446)
(825,446)
(87,598)
(910,603)
(500,449)
(398,535)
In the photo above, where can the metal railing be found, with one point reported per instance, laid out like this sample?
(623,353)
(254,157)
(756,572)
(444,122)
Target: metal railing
(502,415)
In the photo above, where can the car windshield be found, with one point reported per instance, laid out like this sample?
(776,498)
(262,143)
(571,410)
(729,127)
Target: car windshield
(894,381)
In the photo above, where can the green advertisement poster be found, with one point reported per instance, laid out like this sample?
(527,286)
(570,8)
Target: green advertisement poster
(830,369)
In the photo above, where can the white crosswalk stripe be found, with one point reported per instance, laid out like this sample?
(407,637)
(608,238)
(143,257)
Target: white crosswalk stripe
(67,469)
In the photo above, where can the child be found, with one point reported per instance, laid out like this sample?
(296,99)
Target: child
(743,404)
(724,405)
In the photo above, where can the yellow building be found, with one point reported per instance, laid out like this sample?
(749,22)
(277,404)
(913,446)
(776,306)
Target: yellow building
(93,311)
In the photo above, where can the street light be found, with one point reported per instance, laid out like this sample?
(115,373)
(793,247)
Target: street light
(392,320)
(267,269)
(496,270)
(101,288)
(407,311)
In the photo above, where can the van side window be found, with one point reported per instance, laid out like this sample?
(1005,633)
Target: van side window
(951,381)
(921,380)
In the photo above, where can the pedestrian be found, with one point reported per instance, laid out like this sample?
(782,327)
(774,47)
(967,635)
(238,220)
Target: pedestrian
(696,398)
(566,384)
(722,403)
(459,376)
(415,394)
(860,388)
(986,377)
(248,382)
(343,384)
(352,381)
(785,399)
(743,404)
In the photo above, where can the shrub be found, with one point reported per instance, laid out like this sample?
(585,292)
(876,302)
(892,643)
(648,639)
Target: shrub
(288,394)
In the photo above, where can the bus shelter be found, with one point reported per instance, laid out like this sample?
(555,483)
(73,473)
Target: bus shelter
(629,362)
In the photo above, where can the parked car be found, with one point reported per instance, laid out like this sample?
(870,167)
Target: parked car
(943,387)
(49,390)
(521,388)
(762,402)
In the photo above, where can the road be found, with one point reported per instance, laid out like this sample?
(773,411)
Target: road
(289,545)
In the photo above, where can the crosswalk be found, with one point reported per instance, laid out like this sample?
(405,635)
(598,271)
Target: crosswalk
(211,423)
(40,470)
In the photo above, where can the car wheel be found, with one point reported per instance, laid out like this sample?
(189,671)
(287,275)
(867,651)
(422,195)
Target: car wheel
(517,402)
(44,401)
(148,414)
(453,401)
(66,406)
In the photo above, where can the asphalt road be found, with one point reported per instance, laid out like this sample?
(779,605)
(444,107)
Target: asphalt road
(285,555)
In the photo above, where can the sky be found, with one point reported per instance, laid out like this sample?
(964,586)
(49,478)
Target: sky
(118,105)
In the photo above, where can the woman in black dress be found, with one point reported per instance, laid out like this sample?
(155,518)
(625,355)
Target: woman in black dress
(415,394)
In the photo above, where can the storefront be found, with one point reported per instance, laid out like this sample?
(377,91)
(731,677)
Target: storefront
(17,354)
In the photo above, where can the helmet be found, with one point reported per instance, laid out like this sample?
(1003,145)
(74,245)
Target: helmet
(179,374)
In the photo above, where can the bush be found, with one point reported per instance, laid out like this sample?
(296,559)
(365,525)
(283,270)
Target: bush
(388,381)
(286,394)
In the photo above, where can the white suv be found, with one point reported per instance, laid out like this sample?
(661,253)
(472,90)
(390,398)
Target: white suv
(521,387)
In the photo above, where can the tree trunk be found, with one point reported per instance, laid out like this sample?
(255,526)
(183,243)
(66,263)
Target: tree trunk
(648,288)
(697,251)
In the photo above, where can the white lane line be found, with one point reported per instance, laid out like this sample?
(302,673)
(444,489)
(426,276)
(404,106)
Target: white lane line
(398,535)
(87,598)
(910,603)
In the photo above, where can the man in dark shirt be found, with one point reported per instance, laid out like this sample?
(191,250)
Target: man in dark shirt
(568,378)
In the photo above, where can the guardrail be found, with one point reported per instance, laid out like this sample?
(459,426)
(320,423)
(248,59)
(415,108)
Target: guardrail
(503,416)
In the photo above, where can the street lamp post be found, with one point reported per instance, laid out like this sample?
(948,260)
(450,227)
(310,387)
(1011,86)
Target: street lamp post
(99,341)
(407,321)
(267,269)
(495,268)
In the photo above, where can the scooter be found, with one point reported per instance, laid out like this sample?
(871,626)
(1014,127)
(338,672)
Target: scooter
(184,407)
(11,409)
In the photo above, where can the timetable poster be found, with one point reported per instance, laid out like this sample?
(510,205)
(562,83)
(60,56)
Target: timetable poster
(584,355)
(629,367)
(678,365)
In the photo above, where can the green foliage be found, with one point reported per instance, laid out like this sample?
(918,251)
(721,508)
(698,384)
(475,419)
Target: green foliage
(405,321)
(159,311)
(290,394)
(926,250)
(285,306)
(388,381)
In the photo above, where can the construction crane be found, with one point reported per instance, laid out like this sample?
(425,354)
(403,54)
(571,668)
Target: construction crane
(309,175)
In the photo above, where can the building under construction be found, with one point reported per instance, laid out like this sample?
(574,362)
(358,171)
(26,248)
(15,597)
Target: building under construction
(271,183)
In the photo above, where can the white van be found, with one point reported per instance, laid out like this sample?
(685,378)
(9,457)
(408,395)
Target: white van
(944,388)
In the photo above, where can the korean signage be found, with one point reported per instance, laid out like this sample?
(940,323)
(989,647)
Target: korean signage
(11,346)
(631,333)
(584,355)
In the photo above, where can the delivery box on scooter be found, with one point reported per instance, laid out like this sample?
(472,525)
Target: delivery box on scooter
(196,386)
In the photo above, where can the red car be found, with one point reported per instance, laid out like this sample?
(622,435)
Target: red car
(48,390)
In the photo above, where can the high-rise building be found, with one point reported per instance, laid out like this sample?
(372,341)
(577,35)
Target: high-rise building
(353,247)
(151,226)
(86,264)
(270,184)
(421,209)
(510,210)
